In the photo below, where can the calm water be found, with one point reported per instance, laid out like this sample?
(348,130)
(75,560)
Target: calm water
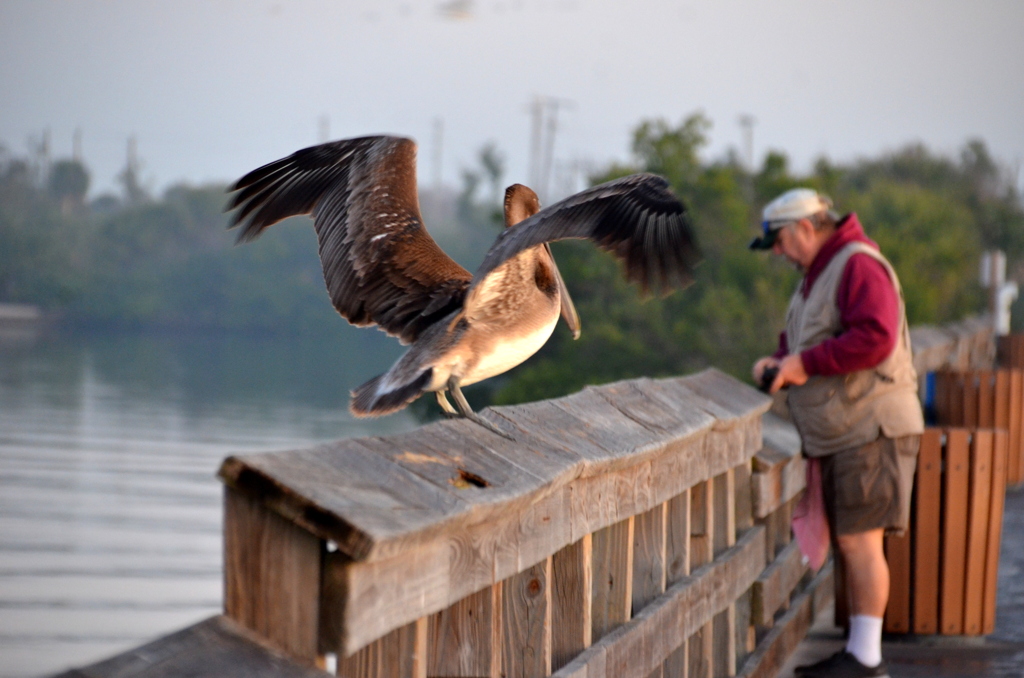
(110,511)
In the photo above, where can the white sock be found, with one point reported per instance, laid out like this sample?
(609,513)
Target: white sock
(865,642)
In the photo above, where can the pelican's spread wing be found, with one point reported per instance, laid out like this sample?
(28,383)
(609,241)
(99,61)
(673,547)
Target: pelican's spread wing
(380,264)
(636,218)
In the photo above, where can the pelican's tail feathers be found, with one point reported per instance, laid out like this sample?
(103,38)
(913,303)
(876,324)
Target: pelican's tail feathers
(372,399)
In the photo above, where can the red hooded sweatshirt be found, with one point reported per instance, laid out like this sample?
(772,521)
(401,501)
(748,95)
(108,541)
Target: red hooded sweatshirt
(868,308)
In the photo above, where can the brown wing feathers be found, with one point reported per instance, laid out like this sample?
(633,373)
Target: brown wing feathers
(636,218)
(380,265)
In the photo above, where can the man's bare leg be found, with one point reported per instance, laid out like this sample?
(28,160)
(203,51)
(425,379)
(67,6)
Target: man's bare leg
(867,580)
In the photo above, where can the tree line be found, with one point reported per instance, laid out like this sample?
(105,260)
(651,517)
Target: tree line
(169,262)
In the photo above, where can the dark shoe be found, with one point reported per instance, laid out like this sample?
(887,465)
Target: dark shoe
(841,665)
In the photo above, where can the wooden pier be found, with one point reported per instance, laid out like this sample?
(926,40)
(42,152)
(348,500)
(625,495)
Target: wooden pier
(639,528)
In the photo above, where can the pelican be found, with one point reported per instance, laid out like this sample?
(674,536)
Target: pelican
(382,268)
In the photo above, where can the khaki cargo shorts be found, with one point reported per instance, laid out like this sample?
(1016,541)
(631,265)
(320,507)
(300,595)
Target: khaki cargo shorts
(869,487)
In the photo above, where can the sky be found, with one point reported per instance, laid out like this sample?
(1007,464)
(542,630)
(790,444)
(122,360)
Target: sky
(211,89)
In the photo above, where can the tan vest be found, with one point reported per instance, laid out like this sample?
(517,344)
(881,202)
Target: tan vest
(842,411)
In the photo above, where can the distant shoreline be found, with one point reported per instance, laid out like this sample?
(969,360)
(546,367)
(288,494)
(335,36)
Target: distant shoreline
(21,321)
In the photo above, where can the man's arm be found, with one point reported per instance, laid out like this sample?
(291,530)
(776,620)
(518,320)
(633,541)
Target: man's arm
(869,314)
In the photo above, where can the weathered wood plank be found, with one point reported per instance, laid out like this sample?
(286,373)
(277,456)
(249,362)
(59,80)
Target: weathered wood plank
(746,633)
(639,400)
(724,506)
(700,651)
(459,463)
(702,524)
(572,596)
(364,601)
(649,555)
(343,492)
(742,481)
(526,611)
(600,501)
(779,471)
(613,577)
(271,576)
(724,643)
(776,647)
(676,665)
(979,503)
(215,648)
(465,639)
(638,647)
(677,538)
(773,586)
(732,395)
(400,654)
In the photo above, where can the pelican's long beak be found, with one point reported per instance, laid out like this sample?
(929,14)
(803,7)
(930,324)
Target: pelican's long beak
(572,318)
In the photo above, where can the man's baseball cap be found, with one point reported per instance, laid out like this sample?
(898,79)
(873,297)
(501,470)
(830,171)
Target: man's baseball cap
(794,204)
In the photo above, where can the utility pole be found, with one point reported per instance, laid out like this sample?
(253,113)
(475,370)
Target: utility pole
(76,145)
(542,141)
(536,131)
(43,158)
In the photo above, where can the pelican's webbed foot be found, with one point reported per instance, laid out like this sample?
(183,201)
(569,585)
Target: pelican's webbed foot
(447,411)
(466,411)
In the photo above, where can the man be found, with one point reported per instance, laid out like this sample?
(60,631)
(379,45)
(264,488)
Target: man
(852,393)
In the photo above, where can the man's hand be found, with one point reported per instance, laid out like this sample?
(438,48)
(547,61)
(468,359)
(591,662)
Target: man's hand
(791,372)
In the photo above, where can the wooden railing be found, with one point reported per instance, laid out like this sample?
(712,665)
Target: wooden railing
(626,531)
(635,529)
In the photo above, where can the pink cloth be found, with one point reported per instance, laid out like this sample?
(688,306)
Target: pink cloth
(810,524)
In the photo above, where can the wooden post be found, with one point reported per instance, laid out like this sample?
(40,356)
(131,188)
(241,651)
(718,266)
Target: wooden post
(571,598)
(649,556)
(970,399)
(986,399)
(1015,458)
(702,524)
(526,610)
(677,538)
(1015,461)
(897,553)
(995,529)
(613,576)
(746,637)
(677,558)
(400,654)
(724,625)
(271,576)
(979,503)
(465,639)
(928,503)
(954,530)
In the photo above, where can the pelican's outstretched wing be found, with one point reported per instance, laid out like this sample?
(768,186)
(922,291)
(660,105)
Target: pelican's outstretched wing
(636,218)
(380,264)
